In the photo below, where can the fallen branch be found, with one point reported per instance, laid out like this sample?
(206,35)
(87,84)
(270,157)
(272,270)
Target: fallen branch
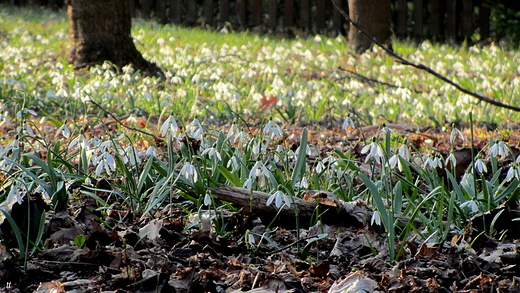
(331,210)
(422,66)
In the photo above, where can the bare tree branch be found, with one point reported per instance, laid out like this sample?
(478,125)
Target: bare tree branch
(422,66)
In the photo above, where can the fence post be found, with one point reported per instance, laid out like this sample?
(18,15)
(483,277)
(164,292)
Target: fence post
(467,19)
(240,7)
(223,12)
(191,12)
(175,11)
(305,17)
(402,16)
(208,12)
(337,18)
(160,11)
(435,20)
(288,18)
(320,15)
(451,20)
(271,14)
(418,19)
(484,16)
(256,12)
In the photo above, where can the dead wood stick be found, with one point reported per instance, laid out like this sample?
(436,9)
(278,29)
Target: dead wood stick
(330,212)
(422,66)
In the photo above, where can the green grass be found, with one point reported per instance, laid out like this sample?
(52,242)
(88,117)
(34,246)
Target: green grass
(217,75)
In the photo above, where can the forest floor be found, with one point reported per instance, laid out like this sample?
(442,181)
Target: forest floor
(183,253)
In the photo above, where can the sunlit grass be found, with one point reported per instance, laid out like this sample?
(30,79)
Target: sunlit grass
(219,75)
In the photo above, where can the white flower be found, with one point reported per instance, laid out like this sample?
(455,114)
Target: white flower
(19,114)
(402,152)
(207,199)
(169,126)
(348,123)
(258,170)
(4,120)
(195,129)
(189,172)
(80,141)
(233,162)
(129,155)
(480,166)
(513,172)
(151,151)
(26,129)
(248,184)
(64,130)
(212,153)
(303,183)
(104,162)
(433,162)
(451,160)
(277,197)
(374,150)
(454,133)
(376,218)
(472,204)
(499,149)
(273,129)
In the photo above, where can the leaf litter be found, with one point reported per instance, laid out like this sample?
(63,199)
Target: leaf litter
(123,251)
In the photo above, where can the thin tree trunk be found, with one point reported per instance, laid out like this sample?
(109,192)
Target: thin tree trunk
(374,17)
(99,31)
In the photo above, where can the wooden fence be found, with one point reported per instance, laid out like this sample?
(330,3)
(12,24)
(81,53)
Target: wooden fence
(440,20)
(418,19)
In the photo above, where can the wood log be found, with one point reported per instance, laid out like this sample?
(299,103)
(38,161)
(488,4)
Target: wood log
(317,205)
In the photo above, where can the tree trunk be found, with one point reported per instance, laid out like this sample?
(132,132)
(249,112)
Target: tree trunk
(99,30)
(374,17)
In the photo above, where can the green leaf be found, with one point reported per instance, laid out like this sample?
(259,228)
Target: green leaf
(301,162)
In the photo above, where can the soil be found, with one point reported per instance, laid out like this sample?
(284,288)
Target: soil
(124,251)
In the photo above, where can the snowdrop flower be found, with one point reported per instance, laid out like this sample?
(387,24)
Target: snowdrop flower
(195,129)
(258,170)
(105,162)
(151,151)
(19,114)
(402,152)
(4,120)
(454,133)
(233,162)
(248,184)
(64,130)
(349,122)
(451,160)
(480,166)
(513,172)
(433,162)
(25,129)
(374,150)
(279,199)
(207,199)
(212,153)
(303,183)
(472,204)
(499,149)
(189,172)
(273,129)
(79,141)
(376,218)
(129,155)
(169,126)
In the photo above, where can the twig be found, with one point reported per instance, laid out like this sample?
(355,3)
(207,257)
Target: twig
(121,122)
(373,81)
(422,66)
